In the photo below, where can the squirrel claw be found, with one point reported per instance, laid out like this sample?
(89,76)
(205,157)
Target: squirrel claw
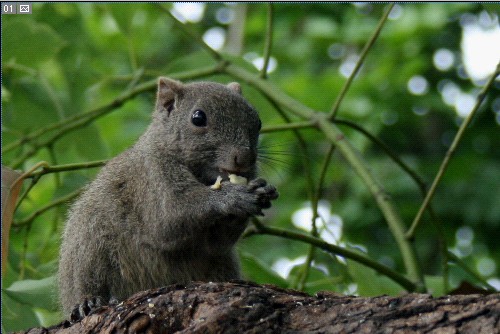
(88,306)
(256,184)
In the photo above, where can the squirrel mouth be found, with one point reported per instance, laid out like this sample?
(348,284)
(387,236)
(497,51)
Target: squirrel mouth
(234,177)
(224,173)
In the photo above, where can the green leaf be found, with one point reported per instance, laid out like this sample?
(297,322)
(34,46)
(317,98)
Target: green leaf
(258,271)
(370,283)
(435,284)
(317,279)
(48,318)
(39,293)
(48,268)
(123,15)
(5,94)
(16,316)
(29,107)
(31,43)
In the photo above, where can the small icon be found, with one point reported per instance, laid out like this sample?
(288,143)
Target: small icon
(9,8)
(24,8)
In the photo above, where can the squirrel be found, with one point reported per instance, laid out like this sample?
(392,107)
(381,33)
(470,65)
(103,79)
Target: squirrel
(151,218)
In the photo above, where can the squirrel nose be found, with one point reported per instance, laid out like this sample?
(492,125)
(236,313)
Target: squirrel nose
(243,157)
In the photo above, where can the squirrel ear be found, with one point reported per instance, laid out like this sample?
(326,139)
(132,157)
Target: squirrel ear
(234,86)
(166,84)
(168,90)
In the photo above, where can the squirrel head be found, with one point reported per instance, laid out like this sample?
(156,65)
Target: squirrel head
(208,127)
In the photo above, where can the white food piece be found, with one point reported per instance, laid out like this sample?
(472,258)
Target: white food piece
(235,179)
(217,184)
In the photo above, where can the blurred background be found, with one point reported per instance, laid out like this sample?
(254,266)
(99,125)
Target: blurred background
(417,84)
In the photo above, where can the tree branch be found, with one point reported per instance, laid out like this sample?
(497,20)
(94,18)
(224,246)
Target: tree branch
(356,256)
(352,156)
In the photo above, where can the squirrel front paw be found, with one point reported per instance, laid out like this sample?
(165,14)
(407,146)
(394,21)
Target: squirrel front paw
(247,200)
(265,192)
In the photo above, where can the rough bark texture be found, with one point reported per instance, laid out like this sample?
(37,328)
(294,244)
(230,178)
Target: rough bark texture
(243,307)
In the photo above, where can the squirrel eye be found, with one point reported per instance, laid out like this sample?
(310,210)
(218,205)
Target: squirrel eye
(199,118)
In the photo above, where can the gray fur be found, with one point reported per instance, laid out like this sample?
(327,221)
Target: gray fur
(150,218)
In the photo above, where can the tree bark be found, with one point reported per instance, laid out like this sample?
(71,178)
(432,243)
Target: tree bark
(244,307)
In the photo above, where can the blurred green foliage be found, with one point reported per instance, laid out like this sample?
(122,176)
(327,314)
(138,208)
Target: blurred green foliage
(69,58)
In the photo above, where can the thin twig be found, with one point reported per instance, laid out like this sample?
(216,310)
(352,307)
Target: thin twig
(314,229)
(47,169)
(411,232)
(269,40)
(191,33)
(309,124)
(288,126)
(67,167)
(33,182)
(28,220)
(360,61)
(52,95)
(22,260)
(418,180)
(53,159)
(306,268)
(459,262)
(302,146)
